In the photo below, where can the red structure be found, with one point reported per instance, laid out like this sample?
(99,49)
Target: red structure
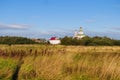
(53,38)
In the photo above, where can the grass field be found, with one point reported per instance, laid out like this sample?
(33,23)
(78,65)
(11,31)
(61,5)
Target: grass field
(57,62)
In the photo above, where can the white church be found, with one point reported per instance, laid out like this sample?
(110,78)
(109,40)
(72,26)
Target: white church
(79,34)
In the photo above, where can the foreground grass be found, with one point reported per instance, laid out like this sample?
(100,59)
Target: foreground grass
(7,67)
(50,62)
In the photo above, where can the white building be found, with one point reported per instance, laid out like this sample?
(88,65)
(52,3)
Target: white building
(54,40)
(79,34)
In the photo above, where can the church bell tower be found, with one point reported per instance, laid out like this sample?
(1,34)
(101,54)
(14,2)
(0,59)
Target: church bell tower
(80,34)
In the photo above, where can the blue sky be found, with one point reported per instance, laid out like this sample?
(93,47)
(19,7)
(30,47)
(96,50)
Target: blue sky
(46,18)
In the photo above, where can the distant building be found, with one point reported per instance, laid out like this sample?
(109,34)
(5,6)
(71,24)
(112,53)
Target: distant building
(79,34)
(54,40)
(36,40)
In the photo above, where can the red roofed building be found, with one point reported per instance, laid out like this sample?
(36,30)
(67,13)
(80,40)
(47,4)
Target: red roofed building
(54,40)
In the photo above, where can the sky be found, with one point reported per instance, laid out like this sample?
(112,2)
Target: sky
(46,18)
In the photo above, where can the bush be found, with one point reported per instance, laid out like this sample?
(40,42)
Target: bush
(90,41)
(15,40)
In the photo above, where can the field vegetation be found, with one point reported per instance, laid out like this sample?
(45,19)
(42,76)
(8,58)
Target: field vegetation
(58,62)
(90,41)
(85,41)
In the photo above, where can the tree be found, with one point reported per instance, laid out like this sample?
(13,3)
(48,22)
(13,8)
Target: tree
(15,40)
(90,41)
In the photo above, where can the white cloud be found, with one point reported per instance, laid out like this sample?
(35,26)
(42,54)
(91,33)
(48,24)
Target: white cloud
(13,26)
(108,33)
(56,31)
(59,33)
(116,28)
(89,20)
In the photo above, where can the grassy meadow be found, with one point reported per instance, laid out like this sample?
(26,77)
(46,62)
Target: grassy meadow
(57,62)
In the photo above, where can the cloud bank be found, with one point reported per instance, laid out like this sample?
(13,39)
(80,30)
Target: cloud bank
(114,33)
(13,26)
(116,28)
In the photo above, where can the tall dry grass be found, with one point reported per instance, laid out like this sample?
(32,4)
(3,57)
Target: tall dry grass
(56,62)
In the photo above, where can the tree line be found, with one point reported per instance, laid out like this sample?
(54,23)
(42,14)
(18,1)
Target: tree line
(90,41)
(86,41)
(15,40)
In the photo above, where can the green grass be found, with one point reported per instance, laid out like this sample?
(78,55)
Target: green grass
(57,62)
(7,67)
